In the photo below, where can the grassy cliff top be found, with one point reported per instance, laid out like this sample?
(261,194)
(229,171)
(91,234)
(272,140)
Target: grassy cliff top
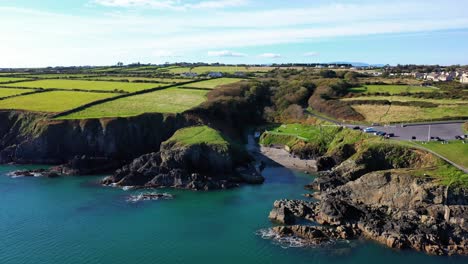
(199,135)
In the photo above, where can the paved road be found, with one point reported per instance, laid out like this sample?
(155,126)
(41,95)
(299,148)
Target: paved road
(446,131)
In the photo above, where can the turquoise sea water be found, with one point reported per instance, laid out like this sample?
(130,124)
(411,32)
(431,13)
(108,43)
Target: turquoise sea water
(73,220)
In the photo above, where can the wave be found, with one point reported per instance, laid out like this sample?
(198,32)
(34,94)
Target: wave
(288,241)
(149,197)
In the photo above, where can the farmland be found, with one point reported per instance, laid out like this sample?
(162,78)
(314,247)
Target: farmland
(86,85)
(392,89)
(5,92)
(137,79)
(53,101)
(397,98)
(172,100)
(397,113)
(224,69)
(11,79)
(212,84)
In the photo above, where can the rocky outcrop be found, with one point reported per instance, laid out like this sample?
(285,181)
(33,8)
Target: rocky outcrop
(376,194)
(394,208)
(195,167)
(35,138)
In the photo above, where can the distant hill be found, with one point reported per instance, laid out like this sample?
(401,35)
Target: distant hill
(357,64)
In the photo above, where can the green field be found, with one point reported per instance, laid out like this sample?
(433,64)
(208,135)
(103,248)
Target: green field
(199,135)
(86,85)
(213,83)
(224,69)
(397,98)
(397,113)
(172,100)
(133,79)
(289,134)
(59,75)
(5,92)
(455,151)
(392,89)
(53,101)
(11,79)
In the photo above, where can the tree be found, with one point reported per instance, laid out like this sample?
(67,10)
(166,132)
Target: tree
(328,74)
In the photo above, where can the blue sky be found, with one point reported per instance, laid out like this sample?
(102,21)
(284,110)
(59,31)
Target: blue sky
(103,32)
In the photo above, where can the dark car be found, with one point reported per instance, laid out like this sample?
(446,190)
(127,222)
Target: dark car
(356,128)
(391,135)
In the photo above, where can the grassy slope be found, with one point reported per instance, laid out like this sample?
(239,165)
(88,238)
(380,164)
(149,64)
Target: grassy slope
(54,101)
(455,151)
(199,135)
(86,85)
(171,100)
(211,84)
(5,92)
(392,89)
(442,172)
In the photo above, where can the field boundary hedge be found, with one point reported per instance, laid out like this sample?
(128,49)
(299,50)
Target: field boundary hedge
(106,100)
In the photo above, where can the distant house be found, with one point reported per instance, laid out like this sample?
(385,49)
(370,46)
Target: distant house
(419,75)
(189,75)
(319,66)
(464,78)
(215,74)
(433,77)
(447,76)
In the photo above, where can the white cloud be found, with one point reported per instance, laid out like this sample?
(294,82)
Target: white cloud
(104,38)
(225,53)
(171,4)
(270,55)
(312,54)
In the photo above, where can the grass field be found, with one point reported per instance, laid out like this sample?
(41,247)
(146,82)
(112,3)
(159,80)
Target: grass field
(86,85)
(133,79)
(224,69)
(5,92)
(53,101)
(172,100)
(397,98)
(213,83)
(392,89)
(396,113)
(58,75)
(455,151)
(11,79)
(199,135)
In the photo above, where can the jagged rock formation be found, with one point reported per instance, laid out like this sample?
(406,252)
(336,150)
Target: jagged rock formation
(376,195)
(198,166)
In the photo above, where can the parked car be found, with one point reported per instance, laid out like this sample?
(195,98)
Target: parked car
(369,130)
(380,133)
(356,128)
(391,135)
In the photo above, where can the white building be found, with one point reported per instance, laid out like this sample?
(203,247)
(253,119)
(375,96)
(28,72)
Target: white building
(464,78)
(215,74)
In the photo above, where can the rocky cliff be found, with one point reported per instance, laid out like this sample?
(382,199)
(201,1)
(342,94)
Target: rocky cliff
(380,193)
(34,138)
(196,158)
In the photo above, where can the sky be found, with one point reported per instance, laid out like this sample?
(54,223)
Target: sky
(104,32)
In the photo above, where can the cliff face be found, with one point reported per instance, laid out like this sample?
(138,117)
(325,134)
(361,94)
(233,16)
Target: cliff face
(33,138)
